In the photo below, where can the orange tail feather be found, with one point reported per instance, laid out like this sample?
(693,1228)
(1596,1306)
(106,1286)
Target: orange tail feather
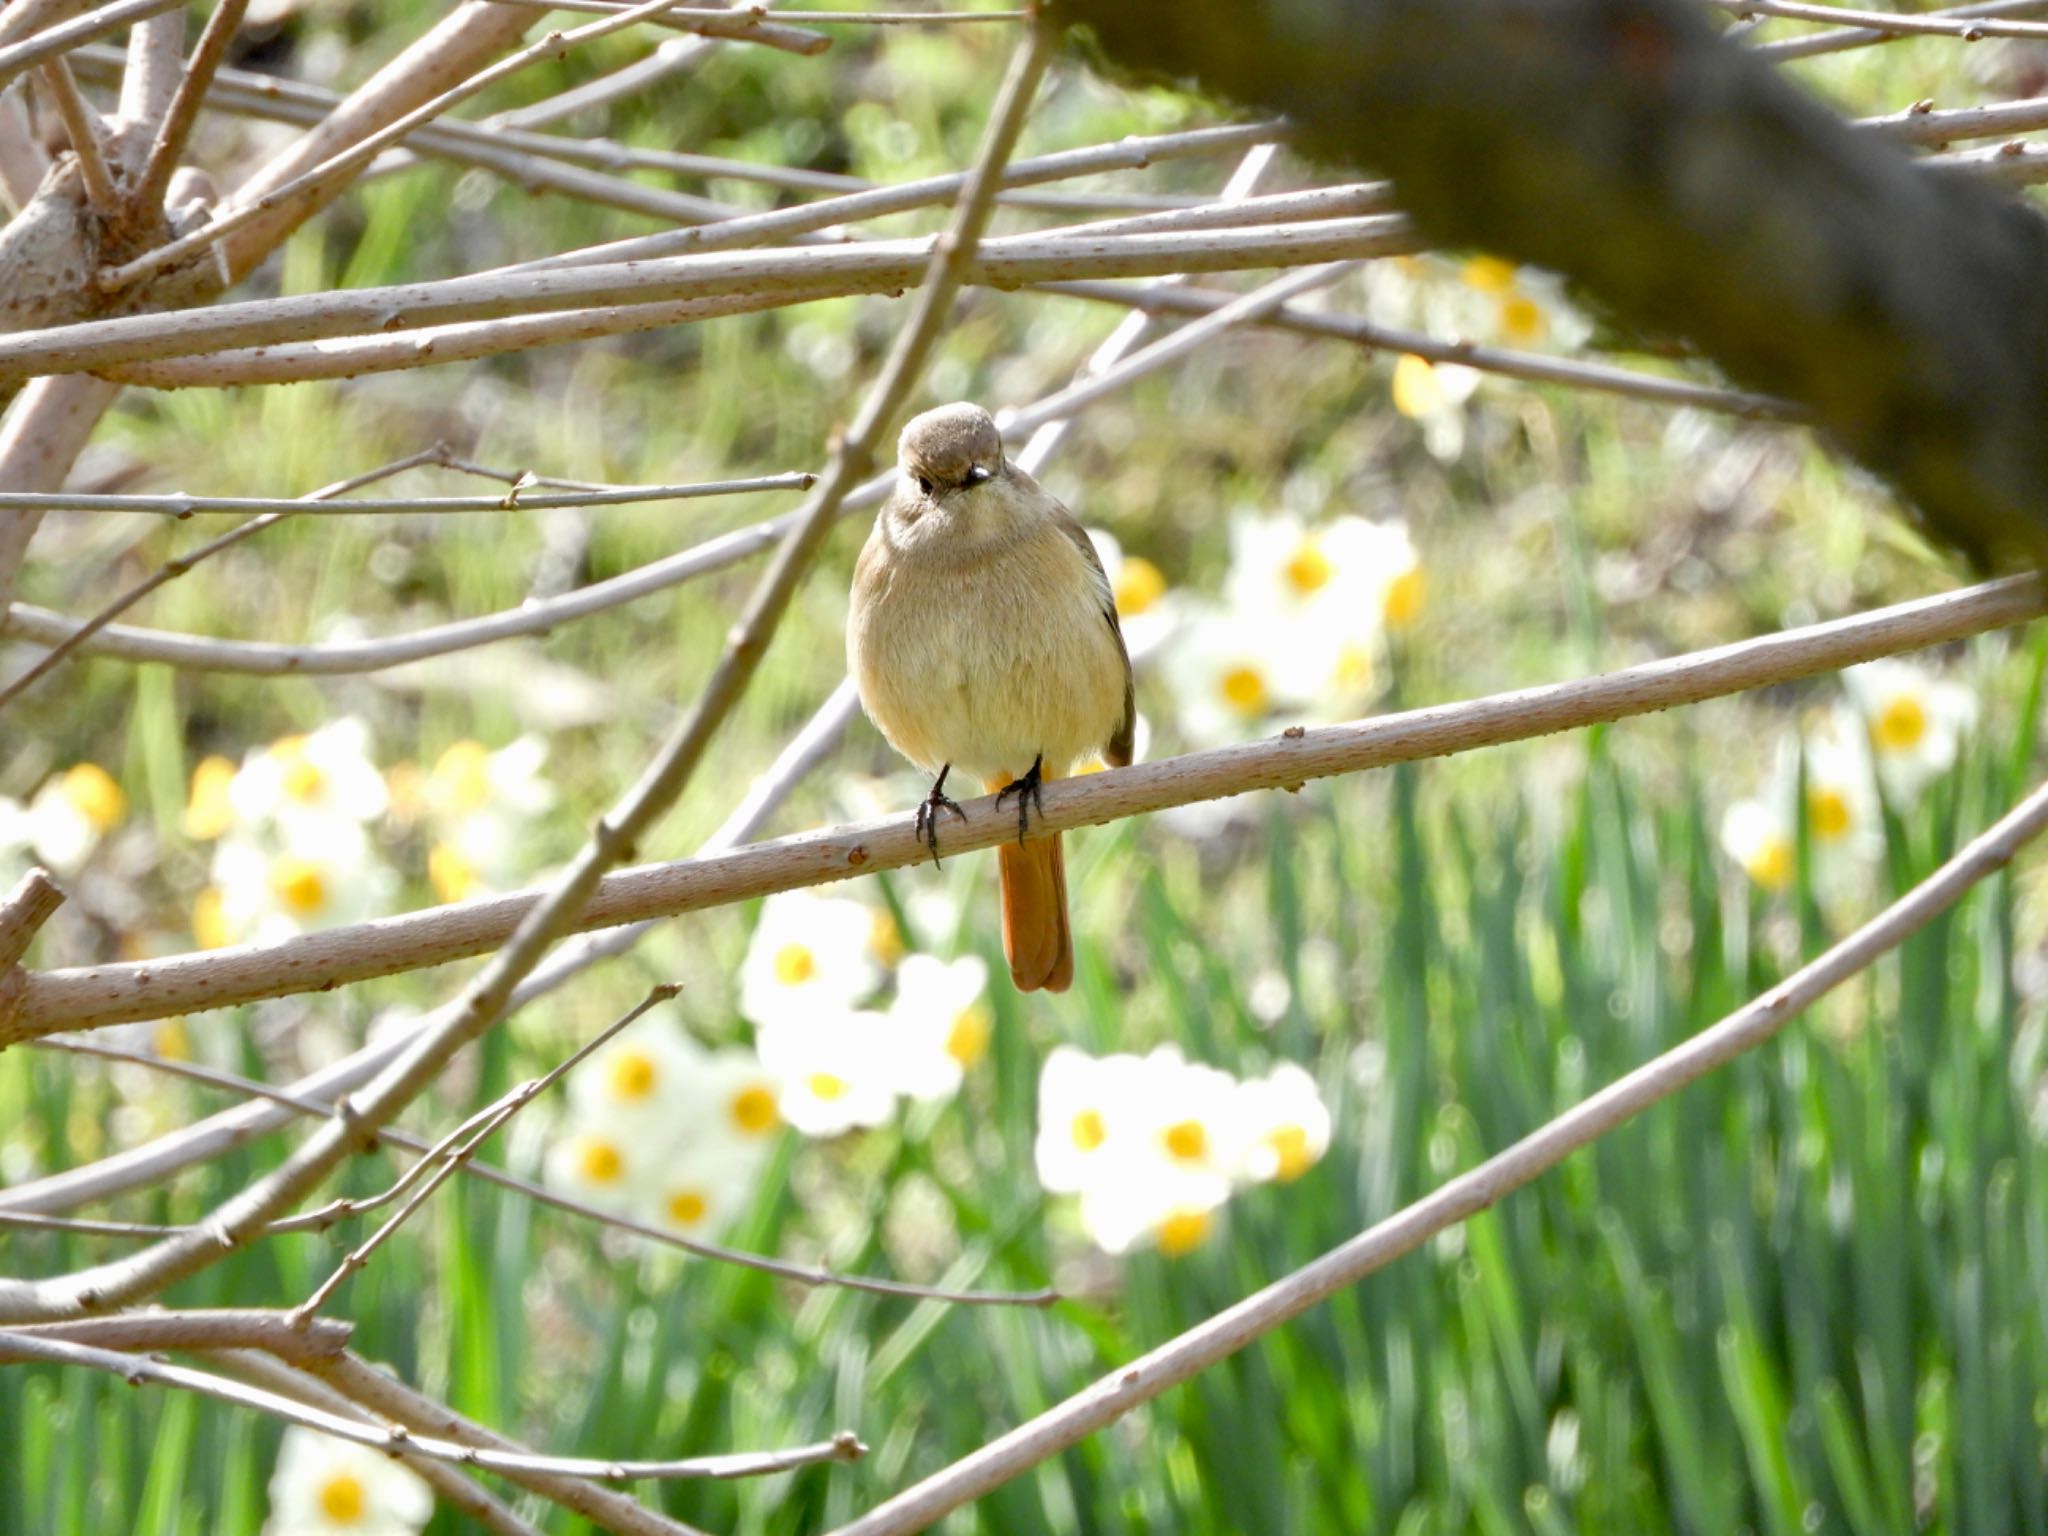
(1036,938)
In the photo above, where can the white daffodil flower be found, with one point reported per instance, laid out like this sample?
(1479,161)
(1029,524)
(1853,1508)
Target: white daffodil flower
(1914,720)
(1758,837)
(1285,1123)
(939,1024)
(1147,608)
(810,956)
(320,873)
(701,1186)
(597,1163)
(1228,673)
(324,776)
(64,820)
(1133,1200)
(328,1487)
(1189,1117)
(1434,396)
(1082,1101)
(832,1071)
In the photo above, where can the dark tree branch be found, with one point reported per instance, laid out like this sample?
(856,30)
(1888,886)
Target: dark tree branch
(1690,189)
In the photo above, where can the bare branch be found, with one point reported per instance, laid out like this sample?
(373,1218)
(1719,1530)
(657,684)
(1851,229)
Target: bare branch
(880,266)
(1229,1331)
(23,912)
(22,161)
(740,21)
(131,990)
(1854,37)
(441,1161)
(179,504)
(183,111)
(1967,29)
(83,132)
(391,1399)
(45,426)
(19,1345)
(51,42)
(274,1333)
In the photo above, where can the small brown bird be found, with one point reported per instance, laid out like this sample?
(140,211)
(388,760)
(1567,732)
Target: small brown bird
(983,637)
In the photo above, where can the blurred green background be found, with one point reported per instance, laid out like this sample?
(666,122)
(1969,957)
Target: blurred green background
(1805,1296)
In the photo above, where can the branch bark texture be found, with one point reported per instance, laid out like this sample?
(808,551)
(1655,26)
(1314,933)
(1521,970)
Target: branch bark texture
(1690,189)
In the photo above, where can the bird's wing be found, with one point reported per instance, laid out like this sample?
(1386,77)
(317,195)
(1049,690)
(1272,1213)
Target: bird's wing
(1117,751)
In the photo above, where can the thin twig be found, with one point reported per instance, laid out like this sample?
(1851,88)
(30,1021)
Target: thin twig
(1968,29)
(1229,1331)
(309,184)
(84,136)
(18,1345)
(272,1332)
(1845,38)
(31,1222)
(183,112)
(446,1156)
(742,18)
(27,906)
(328,1102)
(179,504)
(132,990)
(62,38)
(392,1400)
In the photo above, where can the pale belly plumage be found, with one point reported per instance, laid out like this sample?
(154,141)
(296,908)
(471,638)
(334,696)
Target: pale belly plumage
(989,665)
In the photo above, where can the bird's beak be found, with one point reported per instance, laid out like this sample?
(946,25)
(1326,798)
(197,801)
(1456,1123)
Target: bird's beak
(975,475)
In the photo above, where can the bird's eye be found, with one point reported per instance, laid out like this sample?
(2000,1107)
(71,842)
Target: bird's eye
(924,484)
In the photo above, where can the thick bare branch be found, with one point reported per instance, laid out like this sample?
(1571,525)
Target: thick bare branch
(1902,311)
(1229,1331)
(55,41)
(131,990)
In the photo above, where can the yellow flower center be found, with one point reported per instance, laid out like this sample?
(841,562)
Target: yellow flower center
(598,1161)
(967,1041)
(1244,690)
(302,778)
(1183,1231)
(1139,584)
(171,1040)
(1770,863)
(94,795)
(1418,393)
(753,1110)
(1187,1140)
(885,938)
(450,874)
(1827,812)
(298,884)
(1291,1155)
(342,1499)
(1402,605)
(208,814)
(210,919)
(1489,274)
(795,965)
(1088,1130)
(687,1207)
(1308,569)
(1522,320)
(828,1086)
(633,1075)
(1900,726)
(462,777)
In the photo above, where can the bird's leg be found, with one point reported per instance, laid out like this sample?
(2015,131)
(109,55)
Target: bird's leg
(926,822)
(1027,791)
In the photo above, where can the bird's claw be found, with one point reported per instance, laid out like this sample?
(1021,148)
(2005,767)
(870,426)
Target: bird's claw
(925,824)
(1028,791)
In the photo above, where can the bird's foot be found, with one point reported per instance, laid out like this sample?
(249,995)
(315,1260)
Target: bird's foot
(926,821)
(1028,793)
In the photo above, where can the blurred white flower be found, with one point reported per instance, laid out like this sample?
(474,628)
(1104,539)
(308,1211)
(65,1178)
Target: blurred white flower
(1081,1098)
(1758,837)
(810,956)
(639,1082)
(1136,1200)
(323,776)
(1228,672)
(317,874)
(939,1024)
(210,810)
(701,1186)
(832,1071)
(64,819)
(1146,607)
(478,808)
(591,1161)
(1434,396)
(1914,720)
(1190,1117)
(328,1487)
(1518,306)
(1285,1124)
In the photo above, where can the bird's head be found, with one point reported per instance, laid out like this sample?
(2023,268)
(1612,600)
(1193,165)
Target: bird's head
(946,453)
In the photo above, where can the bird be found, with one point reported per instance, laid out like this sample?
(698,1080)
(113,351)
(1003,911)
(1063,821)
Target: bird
(983,637)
